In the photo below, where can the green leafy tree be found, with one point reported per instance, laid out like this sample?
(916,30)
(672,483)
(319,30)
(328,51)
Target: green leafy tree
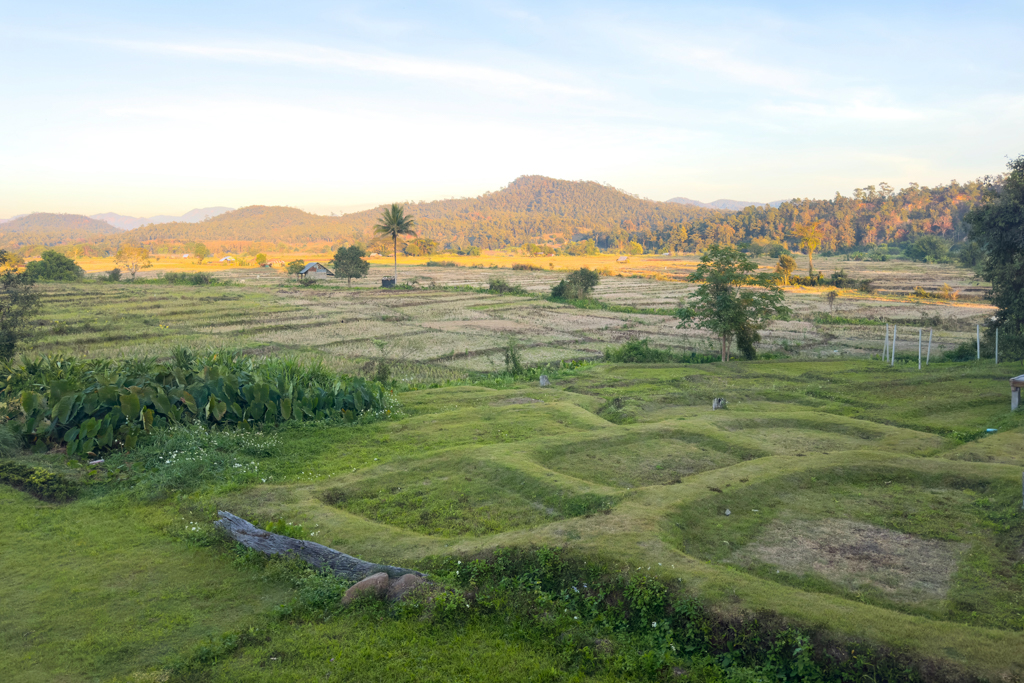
(261,259)
(54,267)
(733,300)
(133,258)
(295,267)
(809,235)
(392,223)
(929,248)
(349,263)
(577,286)
(18,302)
(998,229)
(785,267)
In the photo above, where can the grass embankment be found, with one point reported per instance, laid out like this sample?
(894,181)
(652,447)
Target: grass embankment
(886,511)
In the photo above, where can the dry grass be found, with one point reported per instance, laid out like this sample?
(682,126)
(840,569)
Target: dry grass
(855,555)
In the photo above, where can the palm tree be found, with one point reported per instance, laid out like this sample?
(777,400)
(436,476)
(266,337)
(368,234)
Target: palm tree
(394,222)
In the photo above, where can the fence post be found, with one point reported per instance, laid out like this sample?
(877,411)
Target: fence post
(892,354)
(929,356)
(920,333)
(979,342)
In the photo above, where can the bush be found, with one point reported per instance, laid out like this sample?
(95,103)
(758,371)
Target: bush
(501,286)
(41,483)
(776,250)
(513,360)
(101,403)
(441,264)
(577,286)
(525,266)
(638,351)
(113,276)
(928,248)
(197,279)
(55,268)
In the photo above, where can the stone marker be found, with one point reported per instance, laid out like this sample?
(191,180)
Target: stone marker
(401,586)
(376,584)
(544,381)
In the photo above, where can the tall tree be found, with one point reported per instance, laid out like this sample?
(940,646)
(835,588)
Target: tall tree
(349,263)
(393,222)
(733,300)
(133,257)
(18,301)
(809,235)
(998,228)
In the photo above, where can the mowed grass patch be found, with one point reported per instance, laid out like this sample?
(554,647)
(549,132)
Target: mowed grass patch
(1005,446)
(634,456)
(92,591)
(854,531)
(463,496)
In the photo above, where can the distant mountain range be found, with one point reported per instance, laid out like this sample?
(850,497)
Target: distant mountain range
(131,222)
(725,204)
(50,229)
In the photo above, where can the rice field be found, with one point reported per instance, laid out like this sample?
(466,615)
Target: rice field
(433,333)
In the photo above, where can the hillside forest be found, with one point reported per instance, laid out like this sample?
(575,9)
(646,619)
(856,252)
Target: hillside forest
(543,215)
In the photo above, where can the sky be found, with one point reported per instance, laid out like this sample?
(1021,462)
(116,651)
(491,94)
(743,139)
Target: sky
(145,108)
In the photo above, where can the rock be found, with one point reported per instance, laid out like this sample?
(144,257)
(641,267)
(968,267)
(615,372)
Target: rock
(727,513)
(718,404)
(376,584)
(544,381)
(403,585)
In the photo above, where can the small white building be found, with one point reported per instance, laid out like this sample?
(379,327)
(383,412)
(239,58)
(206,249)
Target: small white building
(227,259)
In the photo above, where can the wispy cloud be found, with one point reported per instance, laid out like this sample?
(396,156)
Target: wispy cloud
(314,56)
(856,110)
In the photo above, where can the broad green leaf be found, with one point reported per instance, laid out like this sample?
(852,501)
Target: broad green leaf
(130,406)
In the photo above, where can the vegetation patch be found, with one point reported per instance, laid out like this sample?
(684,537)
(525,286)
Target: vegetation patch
(873,534)
(40,482)
(464,497)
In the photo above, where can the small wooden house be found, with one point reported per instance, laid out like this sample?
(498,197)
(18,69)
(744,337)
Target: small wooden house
(315,271)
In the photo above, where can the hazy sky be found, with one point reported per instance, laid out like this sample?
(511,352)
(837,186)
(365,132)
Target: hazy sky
(145,108)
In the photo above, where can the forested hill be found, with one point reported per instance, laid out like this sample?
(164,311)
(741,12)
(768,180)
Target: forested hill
(252,223)
(51,229)
(533,208)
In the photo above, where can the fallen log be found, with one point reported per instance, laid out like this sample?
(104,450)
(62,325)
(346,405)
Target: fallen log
(342,565)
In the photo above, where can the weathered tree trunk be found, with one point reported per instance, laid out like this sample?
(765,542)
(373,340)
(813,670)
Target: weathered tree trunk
(342,565)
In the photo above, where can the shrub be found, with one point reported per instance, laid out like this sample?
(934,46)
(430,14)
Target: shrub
(577,286)
(54,267)
(501,286)
(441,264)
(513,360)
(38,482)
(197,279)
(776,250)
(525,266)
(113,276)
(100,403)
(638,351)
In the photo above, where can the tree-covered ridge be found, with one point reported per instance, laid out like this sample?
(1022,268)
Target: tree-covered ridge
(250,223)
(50,229)
(547,211)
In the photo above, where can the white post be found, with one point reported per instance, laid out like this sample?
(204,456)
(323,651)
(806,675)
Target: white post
(892,354)
(997,346)
(979,342)
(885,349)
(929,356)
(920,333)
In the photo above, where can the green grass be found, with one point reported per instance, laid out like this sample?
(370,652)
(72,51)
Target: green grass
(615,461)
(93,590)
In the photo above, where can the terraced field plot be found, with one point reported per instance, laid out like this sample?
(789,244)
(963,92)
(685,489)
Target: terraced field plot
(437,334)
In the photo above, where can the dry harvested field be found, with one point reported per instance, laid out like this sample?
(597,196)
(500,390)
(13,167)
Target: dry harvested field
(433,332)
